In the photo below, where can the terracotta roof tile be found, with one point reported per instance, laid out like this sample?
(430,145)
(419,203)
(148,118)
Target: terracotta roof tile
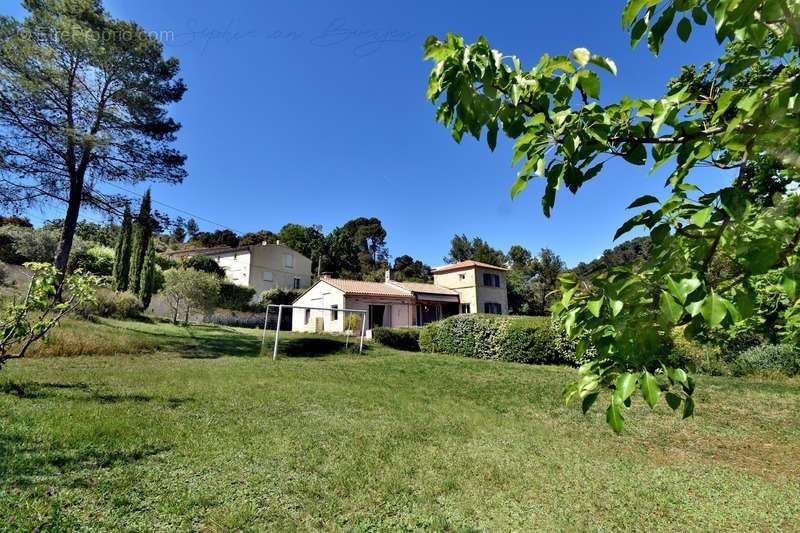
(467,264)
(427,288)
(367,288)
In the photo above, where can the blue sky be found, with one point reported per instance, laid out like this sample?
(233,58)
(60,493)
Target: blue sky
(314,113)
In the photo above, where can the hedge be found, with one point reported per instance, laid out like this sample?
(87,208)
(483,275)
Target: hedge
(235,297)
(532,340)
(399,338)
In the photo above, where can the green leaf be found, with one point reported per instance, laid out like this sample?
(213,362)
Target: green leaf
(650,389)
(735,202)
(700,218)
(671,311)
(684,29)
(631,9)
(588,401)
(616,306)
(491,137)
(644,200)
(625,385)
(789,279)
(519,186)
(688,407)
(636,155)
(582,56)
(614,418)
(673,400)
(589,83)
(713,309)
(699,15)
(659,233)
(605,63)
(594,306)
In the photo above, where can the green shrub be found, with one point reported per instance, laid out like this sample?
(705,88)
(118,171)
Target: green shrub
(112,304)
(204,263)
(399,338)
(235,297)
(782,358)
(519,339)
(280,296)
(3,273)
(95,259)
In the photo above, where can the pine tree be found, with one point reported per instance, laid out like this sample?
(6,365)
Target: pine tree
(142,231)
(122,253)
(146,284)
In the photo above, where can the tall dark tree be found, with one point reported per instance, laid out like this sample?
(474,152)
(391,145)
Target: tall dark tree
(464,249)
(406,268)
(148,277)
(192,229)
(220,237)
(258,237)
(179,230)
(122,253)
(142,232)
(370,237)
(83,100)
(14,220)
(308,240)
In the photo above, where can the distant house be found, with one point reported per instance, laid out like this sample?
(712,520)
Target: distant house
(458,288)
(260,267)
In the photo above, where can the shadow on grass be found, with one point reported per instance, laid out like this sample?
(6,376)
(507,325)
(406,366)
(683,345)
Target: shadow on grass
(26,462)
(310,347)
(200,341)
(80,392)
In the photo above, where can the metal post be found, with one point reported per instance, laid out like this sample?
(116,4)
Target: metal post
(277,333)
(363,332)
(264,334)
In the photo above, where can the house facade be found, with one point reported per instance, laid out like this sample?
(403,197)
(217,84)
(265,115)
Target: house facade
(260,267)
(482,288)
(398,304)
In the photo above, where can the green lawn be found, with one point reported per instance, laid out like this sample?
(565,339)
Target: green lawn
(199,432)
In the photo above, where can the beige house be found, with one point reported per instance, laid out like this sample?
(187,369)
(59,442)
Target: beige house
(481,287)
(399,304)
(260,267)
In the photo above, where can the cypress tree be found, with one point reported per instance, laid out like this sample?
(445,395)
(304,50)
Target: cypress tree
(142,230)
(122,253)
(146,284)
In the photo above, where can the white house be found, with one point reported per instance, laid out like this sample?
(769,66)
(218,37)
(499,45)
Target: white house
(399,304)
(260,267)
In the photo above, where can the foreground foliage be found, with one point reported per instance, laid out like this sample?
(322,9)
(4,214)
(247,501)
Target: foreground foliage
(742,115)
(50,297)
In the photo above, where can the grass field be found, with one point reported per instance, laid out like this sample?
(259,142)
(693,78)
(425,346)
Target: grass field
(197,432)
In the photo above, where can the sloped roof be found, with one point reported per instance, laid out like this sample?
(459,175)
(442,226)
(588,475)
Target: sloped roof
(426,288)
(367,288)
(467,264)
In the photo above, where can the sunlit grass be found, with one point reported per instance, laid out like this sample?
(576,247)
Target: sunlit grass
(198,431)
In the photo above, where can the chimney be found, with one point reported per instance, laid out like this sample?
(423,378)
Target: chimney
(263,243)
(326,275)
(387,275)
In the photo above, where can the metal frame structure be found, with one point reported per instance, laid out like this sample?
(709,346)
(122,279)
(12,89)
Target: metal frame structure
(281,307)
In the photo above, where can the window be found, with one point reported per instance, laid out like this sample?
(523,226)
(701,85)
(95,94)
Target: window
(464,309)
(296,283)
(288,261)
(491,280)
(492,308)
(267,276)
(334,311)
(308,316)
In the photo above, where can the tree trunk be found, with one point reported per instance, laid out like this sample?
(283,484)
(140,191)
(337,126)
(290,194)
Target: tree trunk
(70,223)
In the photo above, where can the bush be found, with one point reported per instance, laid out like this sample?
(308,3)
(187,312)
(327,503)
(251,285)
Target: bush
(246,321)
(235,297)
(204,263)
(399,338)
(524,340)
(280,296)
(112,304)
(96,260)
(20,245)
(782,358)
(3,273)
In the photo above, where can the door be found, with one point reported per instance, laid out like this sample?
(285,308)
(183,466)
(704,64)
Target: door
(376,316)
